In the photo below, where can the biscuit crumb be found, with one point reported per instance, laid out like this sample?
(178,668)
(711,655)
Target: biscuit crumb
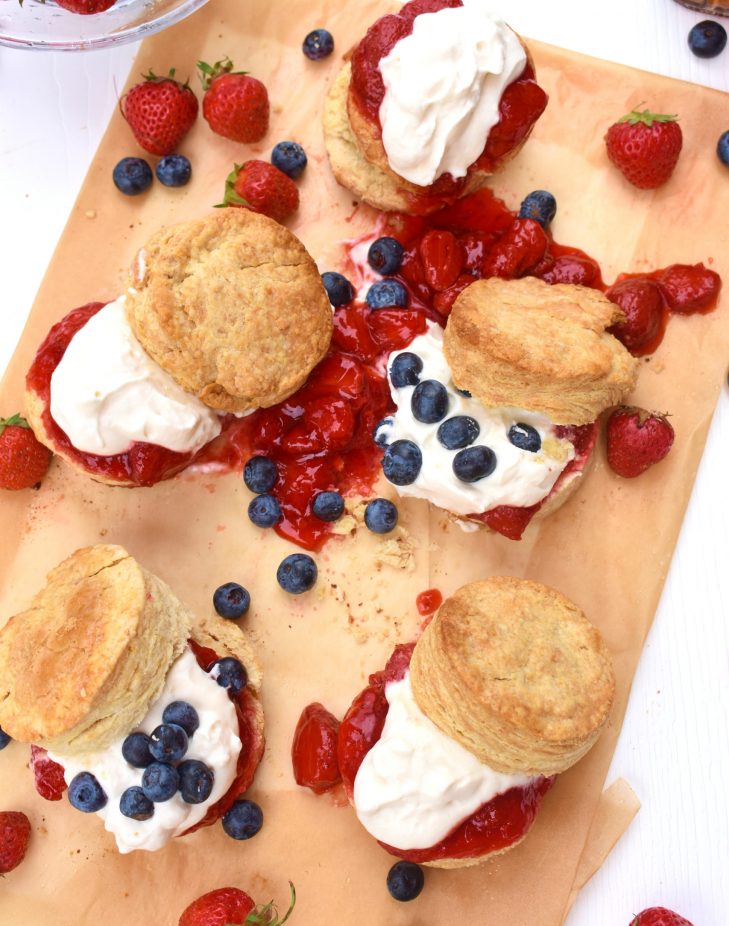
(397,551)
(90,213)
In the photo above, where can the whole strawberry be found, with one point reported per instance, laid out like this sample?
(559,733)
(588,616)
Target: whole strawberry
(23,459)
(160,112)
(261,187)
(85,7)
(659,916)
(229,906)
(235,104)
(14,836)
(645,147)
(636,439)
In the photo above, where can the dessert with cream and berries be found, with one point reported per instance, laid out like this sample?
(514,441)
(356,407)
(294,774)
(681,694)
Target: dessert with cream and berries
(150,717)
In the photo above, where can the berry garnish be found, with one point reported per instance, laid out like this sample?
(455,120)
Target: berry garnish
(196,781)
(297,573)
(474,463)
(85,7)
(135,750)
(228,905)
(429,401)
(50,781)
(4,738)
(645,147)
(174,170)
(327,506)
(261,187)
(230,673)
(14,837)
(385,255)
(260,474)
(23,459)
(160,111)
(318,44)
(458,432)
(135,804)
(722,148)
(235,104)
(168,742)
(244,820)
(539,205)
(385,294)
(132,176)
(642,304)
(659,916)
(160,782)
(405,370)
(86,794)
(314,749)
(181,714)
(290,158)
(339,289)
(402,463)
(525,437)
(380,516)
(689,288)
(707,39)
(264,510)
(231,600)
(405,880)
(636,439)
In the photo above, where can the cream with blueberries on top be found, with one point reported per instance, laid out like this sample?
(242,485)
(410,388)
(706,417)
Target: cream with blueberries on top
(444,446)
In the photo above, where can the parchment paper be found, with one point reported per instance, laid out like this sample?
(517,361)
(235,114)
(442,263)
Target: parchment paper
(609,548)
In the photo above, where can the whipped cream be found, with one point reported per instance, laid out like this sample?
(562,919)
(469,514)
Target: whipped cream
(416,784)
(107,393)
(215,742)
(521,477)
(443,84)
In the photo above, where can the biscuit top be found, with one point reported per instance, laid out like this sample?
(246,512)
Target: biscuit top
(232,307)
(526,344)
(515,673)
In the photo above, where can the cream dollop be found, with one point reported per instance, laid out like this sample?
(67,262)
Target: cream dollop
(443,85)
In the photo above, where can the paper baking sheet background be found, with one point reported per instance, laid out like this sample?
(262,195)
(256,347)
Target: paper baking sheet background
(608,549)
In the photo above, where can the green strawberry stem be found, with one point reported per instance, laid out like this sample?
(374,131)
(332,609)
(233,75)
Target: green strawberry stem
(231,198)
(645,117)
(15,420)
(155,78)
(209,72)
(268,914)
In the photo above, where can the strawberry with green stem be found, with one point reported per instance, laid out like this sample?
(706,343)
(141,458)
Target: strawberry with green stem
(229,906)
(235,104)
(23,459)
(645,147)
(160,112)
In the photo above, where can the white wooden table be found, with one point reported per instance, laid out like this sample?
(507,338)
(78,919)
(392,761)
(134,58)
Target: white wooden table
(674,747)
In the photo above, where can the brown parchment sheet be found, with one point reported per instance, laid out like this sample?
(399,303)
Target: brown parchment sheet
(608,549)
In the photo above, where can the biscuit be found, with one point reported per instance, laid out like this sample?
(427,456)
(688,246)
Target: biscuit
(514,672)
(232,307)
(527,344)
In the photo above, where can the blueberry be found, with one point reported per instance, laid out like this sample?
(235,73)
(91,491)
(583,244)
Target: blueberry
(429,401)
(474,463)
(328,506)
(243,820)
(539,205)
(264,511)
(707,39)
(318,44)
(385,255)
(382,431)
(339,290)
(405,370)
(183,715)
(297,573)
(85,793)
(405,880)
(722,148)
(386,294)
(231,674)
(260,474)
(525,437)
(196,781)
(402,462)
(135,750)
(290,158)
(160,782)
(168,742)
(4,738)
(231,600)
(134,803)
(380,515)
(173,170)
(458,432)
(132,176)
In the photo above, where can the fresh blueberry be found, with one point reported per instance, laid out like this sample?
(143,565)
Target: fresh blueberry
(183,715)
(260,474)
(382,432)
(231,673)
(264,511)
(173,170)
(429,401)
(196,781)
(135,750)
(85,793)
(4,738)
(290,158)
(168,742)
(402,462)
(134,803)
(385,255)
(405,370)
(339,289)
(160,782)
(318,44)
(405,880)
(243,820)
(231,600)
(132,176)
(707,39)
(327,506)
(525,437)
(458,432)
(540,206)
(474,463)
(380,516)
(722,148)
(297,573)
(386,294)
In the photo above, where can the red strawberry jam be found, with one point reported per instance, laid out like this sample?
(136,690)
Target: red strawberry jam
(496,825)
(428,601)
(314,749)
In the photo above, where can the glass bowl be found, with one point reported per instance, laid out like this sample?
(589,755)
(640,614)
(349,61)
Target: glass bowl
(47,27)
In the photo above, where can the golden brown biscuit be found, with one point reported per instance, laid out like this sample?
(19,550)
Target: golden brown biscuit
(232,307)
(544,348)
(514,672)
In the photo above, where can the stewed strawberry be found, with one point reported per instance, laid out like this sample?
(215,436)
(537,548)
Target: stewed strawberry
(314,749)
